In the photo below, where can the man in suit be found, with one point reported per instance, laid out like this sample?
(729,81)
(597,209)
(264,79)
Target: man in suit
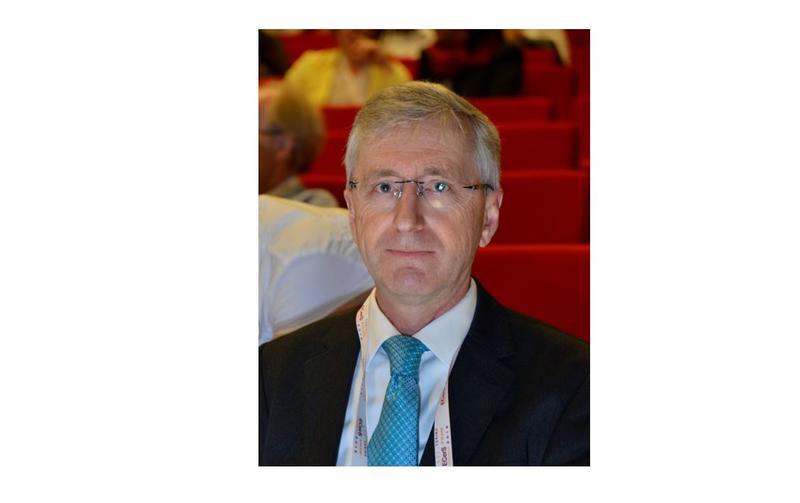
(431,369)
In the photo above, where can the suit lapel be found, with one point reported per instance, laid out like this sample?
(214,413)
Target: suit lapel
(478,381)
(326,389)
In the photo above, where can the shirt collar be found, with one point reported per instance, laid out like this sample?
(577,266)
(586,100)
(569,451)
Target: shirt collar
(443,336)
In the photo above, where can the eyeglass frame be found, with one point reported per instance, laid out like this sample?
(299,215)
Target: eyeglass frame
(353,185)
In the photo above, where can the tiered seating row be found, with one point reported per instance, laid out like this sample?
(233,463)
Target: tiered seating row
(499,110)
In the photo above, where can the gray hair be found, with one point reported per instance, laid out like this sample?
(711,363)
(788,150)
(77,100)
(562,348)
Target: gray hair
(415,102)
(286,108)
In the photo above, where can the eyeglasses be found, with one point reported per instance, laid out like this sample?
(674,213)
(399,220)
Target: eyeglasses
(439,194)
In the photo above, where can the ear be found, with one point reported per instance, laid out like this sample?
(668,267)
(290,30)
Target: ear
(491,216)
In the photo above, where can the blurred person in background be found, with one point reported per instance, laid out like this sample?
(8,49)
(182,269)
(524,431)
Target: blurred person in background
(308,265)
(473,63)
(555,40)
(406,44)
(291,133)
(347,74)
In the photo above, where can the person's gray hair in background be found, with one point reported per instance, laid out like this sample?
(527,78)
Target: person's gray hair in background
(285,109)
(291,133)
(416,102)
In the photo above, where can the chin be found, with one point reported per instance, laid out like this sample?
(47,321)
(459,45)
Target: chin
(411,281)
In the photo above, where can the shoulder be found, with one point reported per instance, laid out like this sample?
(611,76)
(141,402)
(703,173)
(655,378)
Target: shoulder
(314,58)
(319,197)
(536,347)
(541,336)
(545,350)
(298,225)
(290,350)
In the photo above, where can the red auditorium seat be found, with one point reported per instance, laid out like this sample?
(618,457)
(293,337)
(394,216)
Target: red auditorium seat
(331,158)
(339,116)
(499,110)
(333,182)
(580,114)
(538,145)
(579,48)
(525,108)
(295,45)
(544,207)
(539,56)
(547,282)
(556,83)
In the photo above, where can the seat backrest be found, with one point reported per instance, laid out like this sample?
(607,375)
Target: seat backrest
(554,82)
(580,114)
(540,56)
(538,145)
(339,116)
(523,108)
(544,207)
(579,48)
(547,282)
(295,45)
(331,157)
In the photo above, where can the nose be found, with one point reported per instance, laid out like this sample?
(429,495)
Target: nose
(408,215)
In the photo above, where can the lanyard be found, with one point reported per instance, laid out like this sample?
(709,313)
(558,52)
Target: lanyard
(443,445)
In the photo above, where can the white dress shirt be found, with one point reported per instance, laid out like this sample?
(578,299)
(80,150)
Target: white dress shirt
(443,337)
(308,264)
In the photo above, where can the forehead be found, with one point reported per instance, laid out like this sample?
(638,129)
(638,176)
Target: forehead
(417,149)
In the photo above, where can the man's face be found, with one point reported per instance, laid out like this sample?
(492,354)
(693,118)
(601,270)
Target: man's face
(274,147)
(416,250)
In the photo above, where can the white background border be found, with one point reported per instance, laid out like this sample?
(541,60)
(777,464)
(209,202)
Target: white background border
(128,293)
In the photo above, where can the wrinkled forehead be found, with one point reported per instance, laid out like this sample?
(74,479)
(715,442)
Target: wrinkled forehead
(417,149)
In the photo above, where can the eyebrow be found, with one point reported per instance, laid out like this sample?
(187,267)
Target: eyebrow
(427,171)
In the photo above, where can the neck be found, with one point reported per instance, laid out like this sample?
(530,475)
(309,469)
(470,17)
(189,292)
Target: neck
(411,317)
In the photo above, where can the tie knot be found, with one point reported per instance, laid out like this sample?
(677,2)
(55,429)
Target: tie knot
(404,353)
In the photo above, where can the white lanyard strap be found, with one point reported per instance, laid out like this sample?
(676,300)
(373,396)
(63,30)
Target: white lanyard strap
(443,445)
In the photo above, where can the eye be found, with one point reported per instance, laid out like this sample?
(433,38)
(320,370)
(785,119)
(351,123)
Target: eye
(440,187)
(384,187)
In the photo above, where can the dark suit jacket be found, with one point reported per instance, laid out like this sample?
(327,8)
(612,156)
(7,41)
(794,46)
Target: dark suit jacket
(519,393)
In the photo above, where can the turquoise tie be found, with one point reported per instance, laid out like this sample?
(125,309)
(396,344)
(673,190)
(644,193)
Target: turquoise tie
(394,441)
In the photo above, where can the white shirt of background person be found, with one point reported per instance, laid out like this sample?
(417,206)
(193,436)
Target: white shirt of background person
(308,265)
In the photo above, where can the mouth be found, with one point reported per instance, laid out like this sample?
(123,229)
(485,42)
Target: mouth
(409,253)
